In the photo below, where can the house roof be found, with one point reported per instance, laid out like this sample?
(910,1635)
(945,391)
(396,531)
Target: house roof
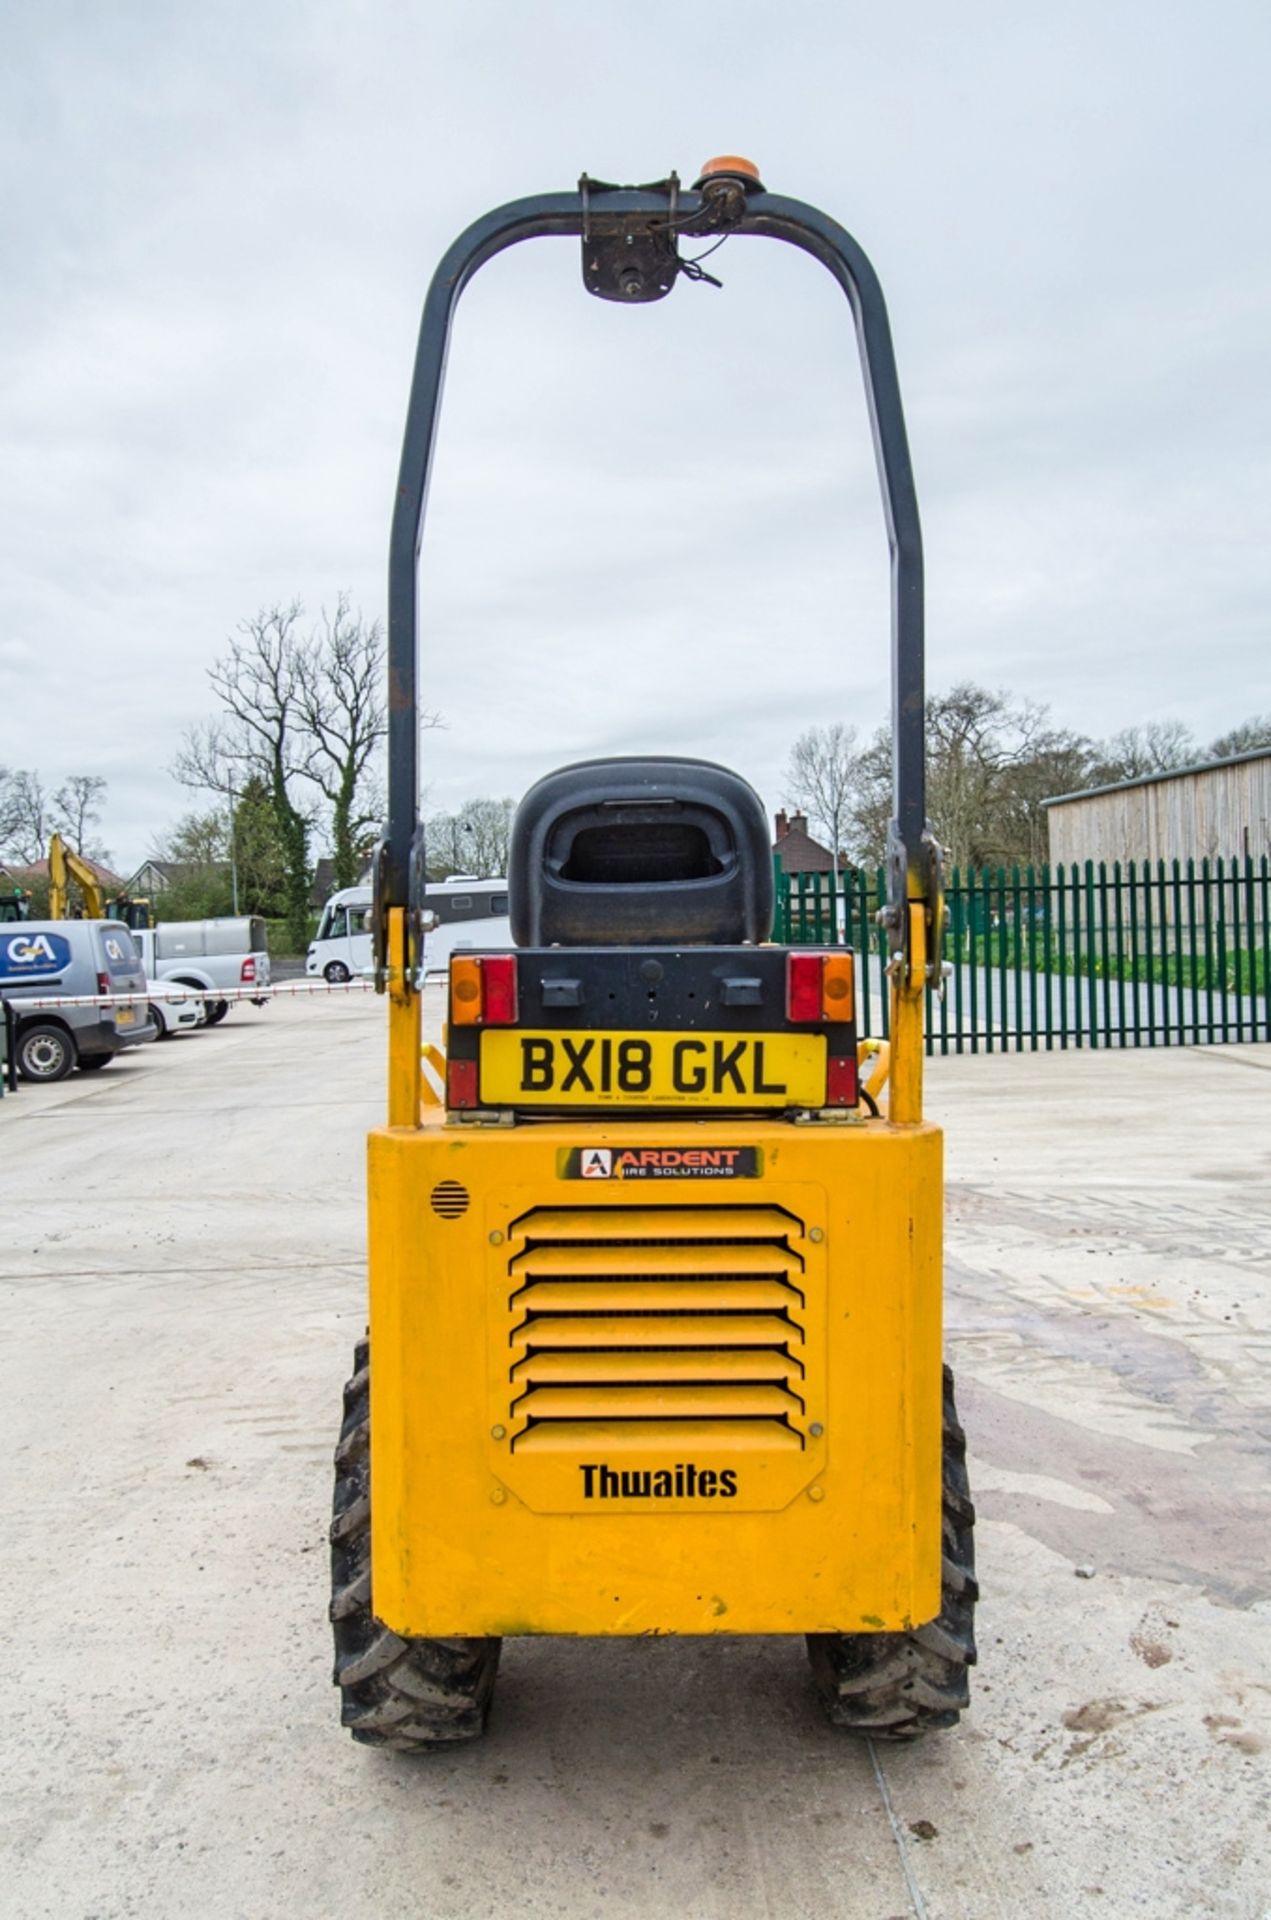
(171,871)
(798,851)
(39,870)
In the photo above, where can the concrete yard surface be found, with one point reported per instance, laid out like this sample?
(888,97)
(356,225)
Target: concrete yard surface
(183,1282)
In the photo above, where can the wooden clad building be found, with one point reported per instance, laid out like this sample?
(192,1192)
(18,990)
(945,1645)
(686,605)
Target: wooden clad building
(1221,810)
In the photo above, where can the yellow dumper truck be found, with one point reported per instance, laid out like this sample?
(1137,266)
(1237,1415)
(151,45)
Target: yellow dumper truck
(655,1246)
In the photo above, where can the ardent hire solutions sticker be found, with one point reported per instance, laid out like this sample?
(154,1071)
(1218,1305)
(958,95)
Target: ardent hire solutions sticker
(659,1163)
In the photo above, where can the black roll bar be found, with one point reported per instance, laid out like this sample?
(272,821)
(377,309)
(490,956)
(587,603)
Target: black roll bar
(913,857)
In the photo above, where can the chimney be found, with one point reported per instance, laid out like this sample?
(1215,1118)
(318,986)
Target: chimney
(798,823)
(782,824)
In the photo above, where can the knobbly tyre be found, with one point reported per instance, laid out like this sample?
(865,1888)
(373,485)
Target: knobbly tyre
(655,1285)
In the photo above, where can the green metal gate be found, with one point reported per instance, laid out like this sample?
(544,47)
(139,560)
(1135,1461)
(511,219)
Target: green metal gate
(1142,955)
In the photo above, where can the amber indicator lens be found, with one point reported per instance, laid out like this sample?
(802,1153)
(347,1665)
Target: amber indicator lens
(465,991)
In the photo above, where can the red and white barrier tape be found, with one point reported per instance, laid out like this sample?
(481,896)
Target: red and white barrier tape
(288,989)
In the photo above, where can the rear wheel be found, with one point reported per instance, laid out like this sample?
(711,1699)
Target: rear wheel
(336,972)
(216,1010)
(45,1052)
(898,1686)
(158,1022)
(405,1694)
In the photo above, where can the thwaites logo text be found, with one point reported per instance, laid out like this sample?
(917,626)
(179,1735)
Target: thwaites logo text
(684,1481)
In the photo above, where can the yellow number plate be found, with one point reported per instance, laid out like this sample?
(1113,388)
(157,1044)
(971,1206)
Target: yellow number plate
(520,1069)
(125,1016)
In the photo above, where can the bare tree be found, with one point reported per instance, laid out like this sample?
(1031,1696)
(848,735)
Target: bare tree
(76,808)
(991,761)
(475,840)
(1249,735)
(342,709)
(6,785)
(258,683)
(982,748)
(1158,746)
(822,779)
(26,818)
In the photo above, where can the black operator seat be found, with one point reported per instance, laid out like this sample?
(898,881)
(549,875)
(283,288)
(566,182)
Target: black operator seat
(640,852)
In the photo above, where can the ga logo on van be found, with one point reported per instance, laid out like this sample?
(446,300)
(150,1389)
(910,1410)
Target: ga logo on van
(25,956)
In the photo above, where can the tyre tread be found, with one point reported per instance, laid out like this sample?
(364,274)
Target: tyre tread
(899,1686)
(403,1695)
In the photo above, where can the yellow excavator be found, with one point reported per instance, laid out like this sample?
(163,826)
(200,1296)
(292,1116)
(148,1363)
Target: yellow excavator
(65,866)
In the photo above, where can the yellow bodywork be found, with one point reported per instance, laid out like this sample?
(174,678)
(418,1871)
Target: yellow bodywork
(553,1453)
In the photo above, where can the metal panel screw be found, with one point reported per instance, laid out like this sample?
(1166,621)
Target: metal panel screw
(497,1433)
(816,1493)
(496,1238)
(816,1235)
(816,1429)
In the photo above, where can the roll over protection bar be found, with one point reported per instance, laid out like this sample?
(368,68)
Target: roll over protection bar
(725,203)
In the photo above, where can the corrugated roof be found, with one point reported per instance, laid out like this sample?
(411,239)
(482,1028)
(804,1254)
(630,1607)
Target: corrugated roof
(1152,779)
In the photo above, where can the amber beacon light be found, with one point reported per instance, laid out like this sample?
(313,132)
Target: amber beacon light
(731,166)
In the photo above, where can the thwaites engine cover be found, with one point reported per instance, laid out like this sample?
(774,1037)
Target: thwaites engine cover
(673,1376)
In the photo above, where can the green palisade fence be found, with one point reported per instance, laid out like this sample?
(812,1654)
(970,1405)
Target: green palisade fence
(1146,954)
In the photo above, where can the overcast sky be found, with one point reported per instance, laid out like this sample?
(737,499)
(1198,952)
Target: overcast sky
(655,528)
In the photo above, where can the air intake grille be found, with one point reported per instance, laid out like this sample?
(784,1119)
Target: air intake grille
(656,1323)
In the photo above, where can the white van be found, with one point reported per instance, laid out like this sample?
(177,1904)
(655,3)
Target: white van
(459,912)
(43,959)
(226,952)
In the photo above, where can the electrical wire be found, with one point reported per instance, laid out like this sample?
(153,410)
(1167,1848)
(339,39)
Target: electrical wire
(692,269)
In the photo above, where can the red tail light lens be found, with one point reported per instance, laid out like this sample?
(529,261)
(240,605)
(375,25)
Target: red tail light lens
(248,974)
(103,983)
(803,986)
(498,977)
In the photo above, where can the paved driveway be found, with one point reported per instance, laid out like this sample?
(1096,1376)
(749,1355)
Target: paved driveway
(182,1283)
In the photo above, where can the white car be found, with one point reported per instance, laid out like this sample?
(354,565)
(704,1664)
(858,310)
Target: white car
(172,1011)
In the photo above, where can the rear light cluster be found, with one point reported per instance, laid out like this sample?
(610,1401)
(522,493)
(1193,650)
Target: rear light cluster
(483,990)
(820,987)
(483,993)
(248,974)
(103,983)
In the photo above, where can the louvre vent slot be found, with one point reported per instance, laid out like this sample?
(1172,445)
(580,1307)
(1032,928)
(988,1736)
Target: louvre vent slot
(657,1321)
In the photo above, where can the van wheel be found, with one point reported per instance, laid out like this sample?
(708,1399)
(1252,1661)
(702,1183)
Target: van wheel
(335,972)
(45,1052)
(94,1062)
(898,1686)
(216,1010)
(408,1695)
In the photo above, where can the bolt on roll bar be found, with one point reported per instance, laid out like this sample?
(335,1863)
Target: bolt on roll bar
(646,221)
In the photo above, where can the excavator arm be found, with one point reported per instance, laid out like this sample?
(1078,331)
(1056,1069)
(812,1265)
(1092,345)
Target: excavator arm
(66,865)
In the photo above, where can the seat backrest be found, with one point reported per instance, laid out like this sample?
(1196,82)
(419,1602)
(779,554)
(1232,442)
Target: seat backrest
(640,852)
